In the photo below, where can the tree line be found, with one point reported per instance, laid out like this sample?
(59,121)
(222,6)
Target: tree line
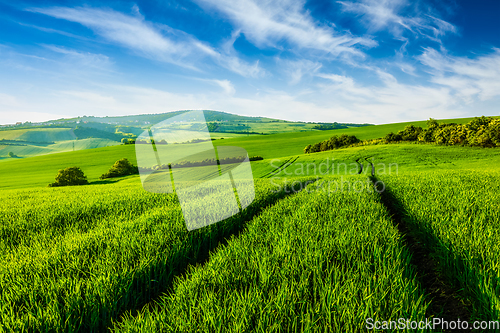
(334,142)
(479,132)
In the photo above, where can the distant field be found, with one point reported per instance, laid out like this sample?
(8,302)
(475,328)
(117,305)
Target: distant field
(292,137)
(287,144)
(94,162)
(28,150)
(39,134)
(41,170)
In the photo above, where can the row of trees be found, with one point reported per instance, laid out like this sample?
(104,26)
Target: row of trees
(205,162)
(159,142)
(334,142)
(480,132)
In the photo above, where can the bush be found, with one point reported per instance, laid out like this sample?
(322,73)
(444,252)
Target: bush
(391,137)
(128,141)
(410,133)
(334,142)
(121,168)
(256,158)
(69,177)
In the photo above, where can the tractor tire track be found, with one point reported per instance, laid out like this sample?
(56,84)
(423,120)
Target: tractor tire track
(446,303)
(198,251)
(281,168)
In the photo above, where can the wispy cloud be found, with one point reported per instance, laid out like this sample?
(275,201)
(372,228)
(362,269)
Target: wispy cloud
(158,42)
(52,31)
(268,23)
(8,100)
(83,59)
(392,99)
(227,86)
(398,17)
(296,69)
(89,96)
(469,78)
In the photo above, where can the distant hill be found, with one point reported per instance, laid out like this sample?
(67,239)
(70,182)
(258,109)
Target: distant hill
(95,162)
(31,139)
(139,122)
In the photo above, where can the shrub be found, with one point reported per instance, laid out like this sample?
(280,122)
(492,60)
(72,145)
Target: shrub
(334,142)
(390,137)
(69,177)
(128,141)
(121,168)
(410,133)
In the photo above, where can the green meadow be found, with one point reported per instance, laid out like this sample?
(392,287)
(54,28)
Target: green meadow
(332,239)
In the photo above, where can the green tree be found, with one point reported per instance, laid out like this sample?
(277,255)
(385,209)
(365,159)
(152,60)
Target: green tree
(426,136)
(478,122)
(458,135)
(390,137)
(11,154)
(410,133)
(69,177)
(432,124)
(122,167)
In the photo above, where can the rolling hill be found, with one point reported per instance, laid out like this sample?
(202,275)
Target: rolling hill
(40,170)
(28,139)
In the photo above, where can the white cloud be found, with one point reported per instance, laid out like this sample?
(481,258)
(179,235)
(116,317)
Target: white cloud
(89,96)
(53,31)
(226,85)
(266,23)
(158,42)
(86,59)
(8,100)
(398,17)
(339,99)
(392,101)
(296,69)
(470,79)
(13,109)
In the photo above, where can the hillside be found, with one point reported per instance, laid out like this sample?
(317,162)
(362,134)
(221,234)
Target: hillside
(42,169)
(32,139)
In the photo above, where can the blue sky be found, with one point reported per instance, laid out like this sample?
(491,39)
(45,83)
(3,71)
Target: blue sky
(346,61)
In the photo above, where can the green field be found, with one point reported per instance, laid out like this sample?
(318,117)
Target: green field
(320,249)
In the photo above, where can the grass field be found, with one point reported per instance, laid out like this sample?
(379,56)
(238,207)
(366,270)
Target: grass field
(39,134)
(456,213)
(309,261)
(111,256)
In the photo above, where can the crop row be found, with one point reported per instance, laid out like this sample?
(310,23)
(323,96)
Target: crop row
(73,259)
(456,214)
(312,262)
